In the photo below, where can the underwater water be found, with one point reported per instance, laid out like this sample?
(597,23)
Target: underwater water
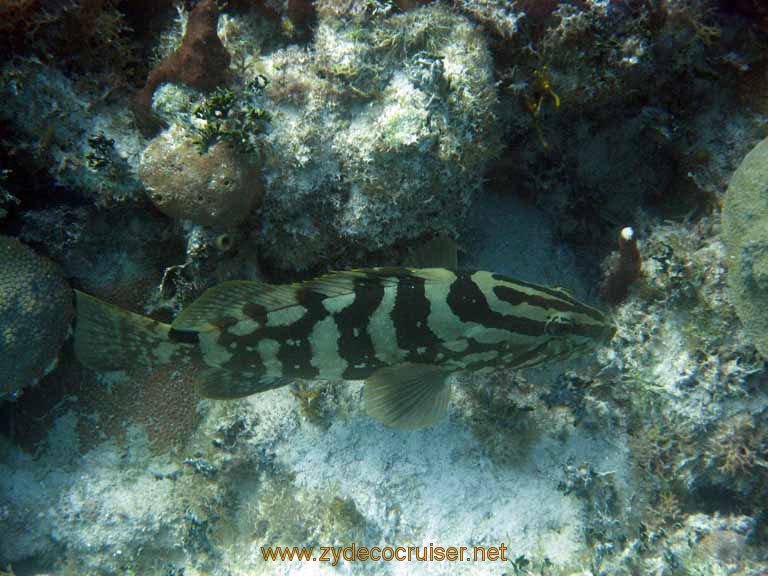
(383,287)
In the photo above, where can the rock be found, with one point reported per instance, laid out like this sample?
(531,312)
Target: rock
(381,133)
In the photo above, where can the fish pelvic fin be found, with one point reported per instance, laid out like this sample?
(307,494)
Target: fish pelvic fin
(407,396)
(108,337)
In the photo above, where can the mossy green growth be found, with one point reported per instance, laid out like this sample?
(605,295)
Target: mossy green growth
(229,118)
(745,230)
(102,151)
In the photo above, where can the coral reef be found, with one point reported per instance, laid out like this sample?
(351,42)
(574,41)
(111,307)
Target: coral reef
(693,383)
(162,404)
(63,129)
(6,198)
(90,513)
(35,312)
(641,62)
(498,15)
(18,14)
(304,136)
(745,231)
(89,37)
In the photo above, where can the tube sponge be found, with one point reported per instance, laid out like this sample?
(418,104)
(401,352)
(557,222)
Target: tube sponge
(35,312)
(745,231)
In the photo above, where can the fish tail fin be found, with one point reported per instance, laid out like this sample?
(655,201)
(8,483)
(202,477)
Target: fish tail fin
(110,338)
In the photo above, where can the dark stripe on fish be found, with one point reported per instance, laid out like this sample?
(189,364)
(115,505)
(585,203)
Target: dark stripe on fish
(296,359)
(590,330)
(255,312)
(409,316)
(468,303)
(223,322)
(241,359)
(355,345)
(539,354)
(564,302)
(516,297)
(184,336)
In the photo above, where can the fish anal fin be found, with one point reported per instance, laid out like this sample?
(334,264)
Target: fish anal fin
(223,384)
(407,396)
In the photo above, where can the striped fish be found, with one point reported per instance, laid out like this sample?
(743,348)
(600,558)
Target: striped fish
(403,330)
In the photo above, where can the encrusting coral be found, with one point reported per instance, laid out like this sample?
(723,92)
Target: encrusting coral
(745,230)
(35,312)
(381,133)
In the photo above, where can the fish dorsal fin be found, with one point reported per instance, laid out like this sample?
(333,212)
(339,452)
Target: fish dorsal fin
(440,252)
(250,300)
(224,384)
(407,396)
(240,299)
(343,282)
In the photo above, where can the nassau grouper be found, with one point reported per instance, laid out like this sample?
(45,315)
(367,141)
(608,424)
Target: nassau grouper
(403,330)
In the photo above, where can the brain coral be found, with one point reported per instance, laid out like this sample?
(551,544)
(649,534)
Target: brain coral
(217,188)
(35,311)
(745,228)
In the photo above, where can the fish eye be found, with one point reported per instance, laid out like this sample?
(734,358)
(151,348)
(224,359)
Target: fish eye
(558,325)
(224,242)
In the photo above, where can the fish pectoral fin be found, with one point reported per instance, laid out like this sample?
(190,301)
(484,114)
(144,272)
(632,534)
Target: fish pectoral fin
(223,384)
(407,396)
